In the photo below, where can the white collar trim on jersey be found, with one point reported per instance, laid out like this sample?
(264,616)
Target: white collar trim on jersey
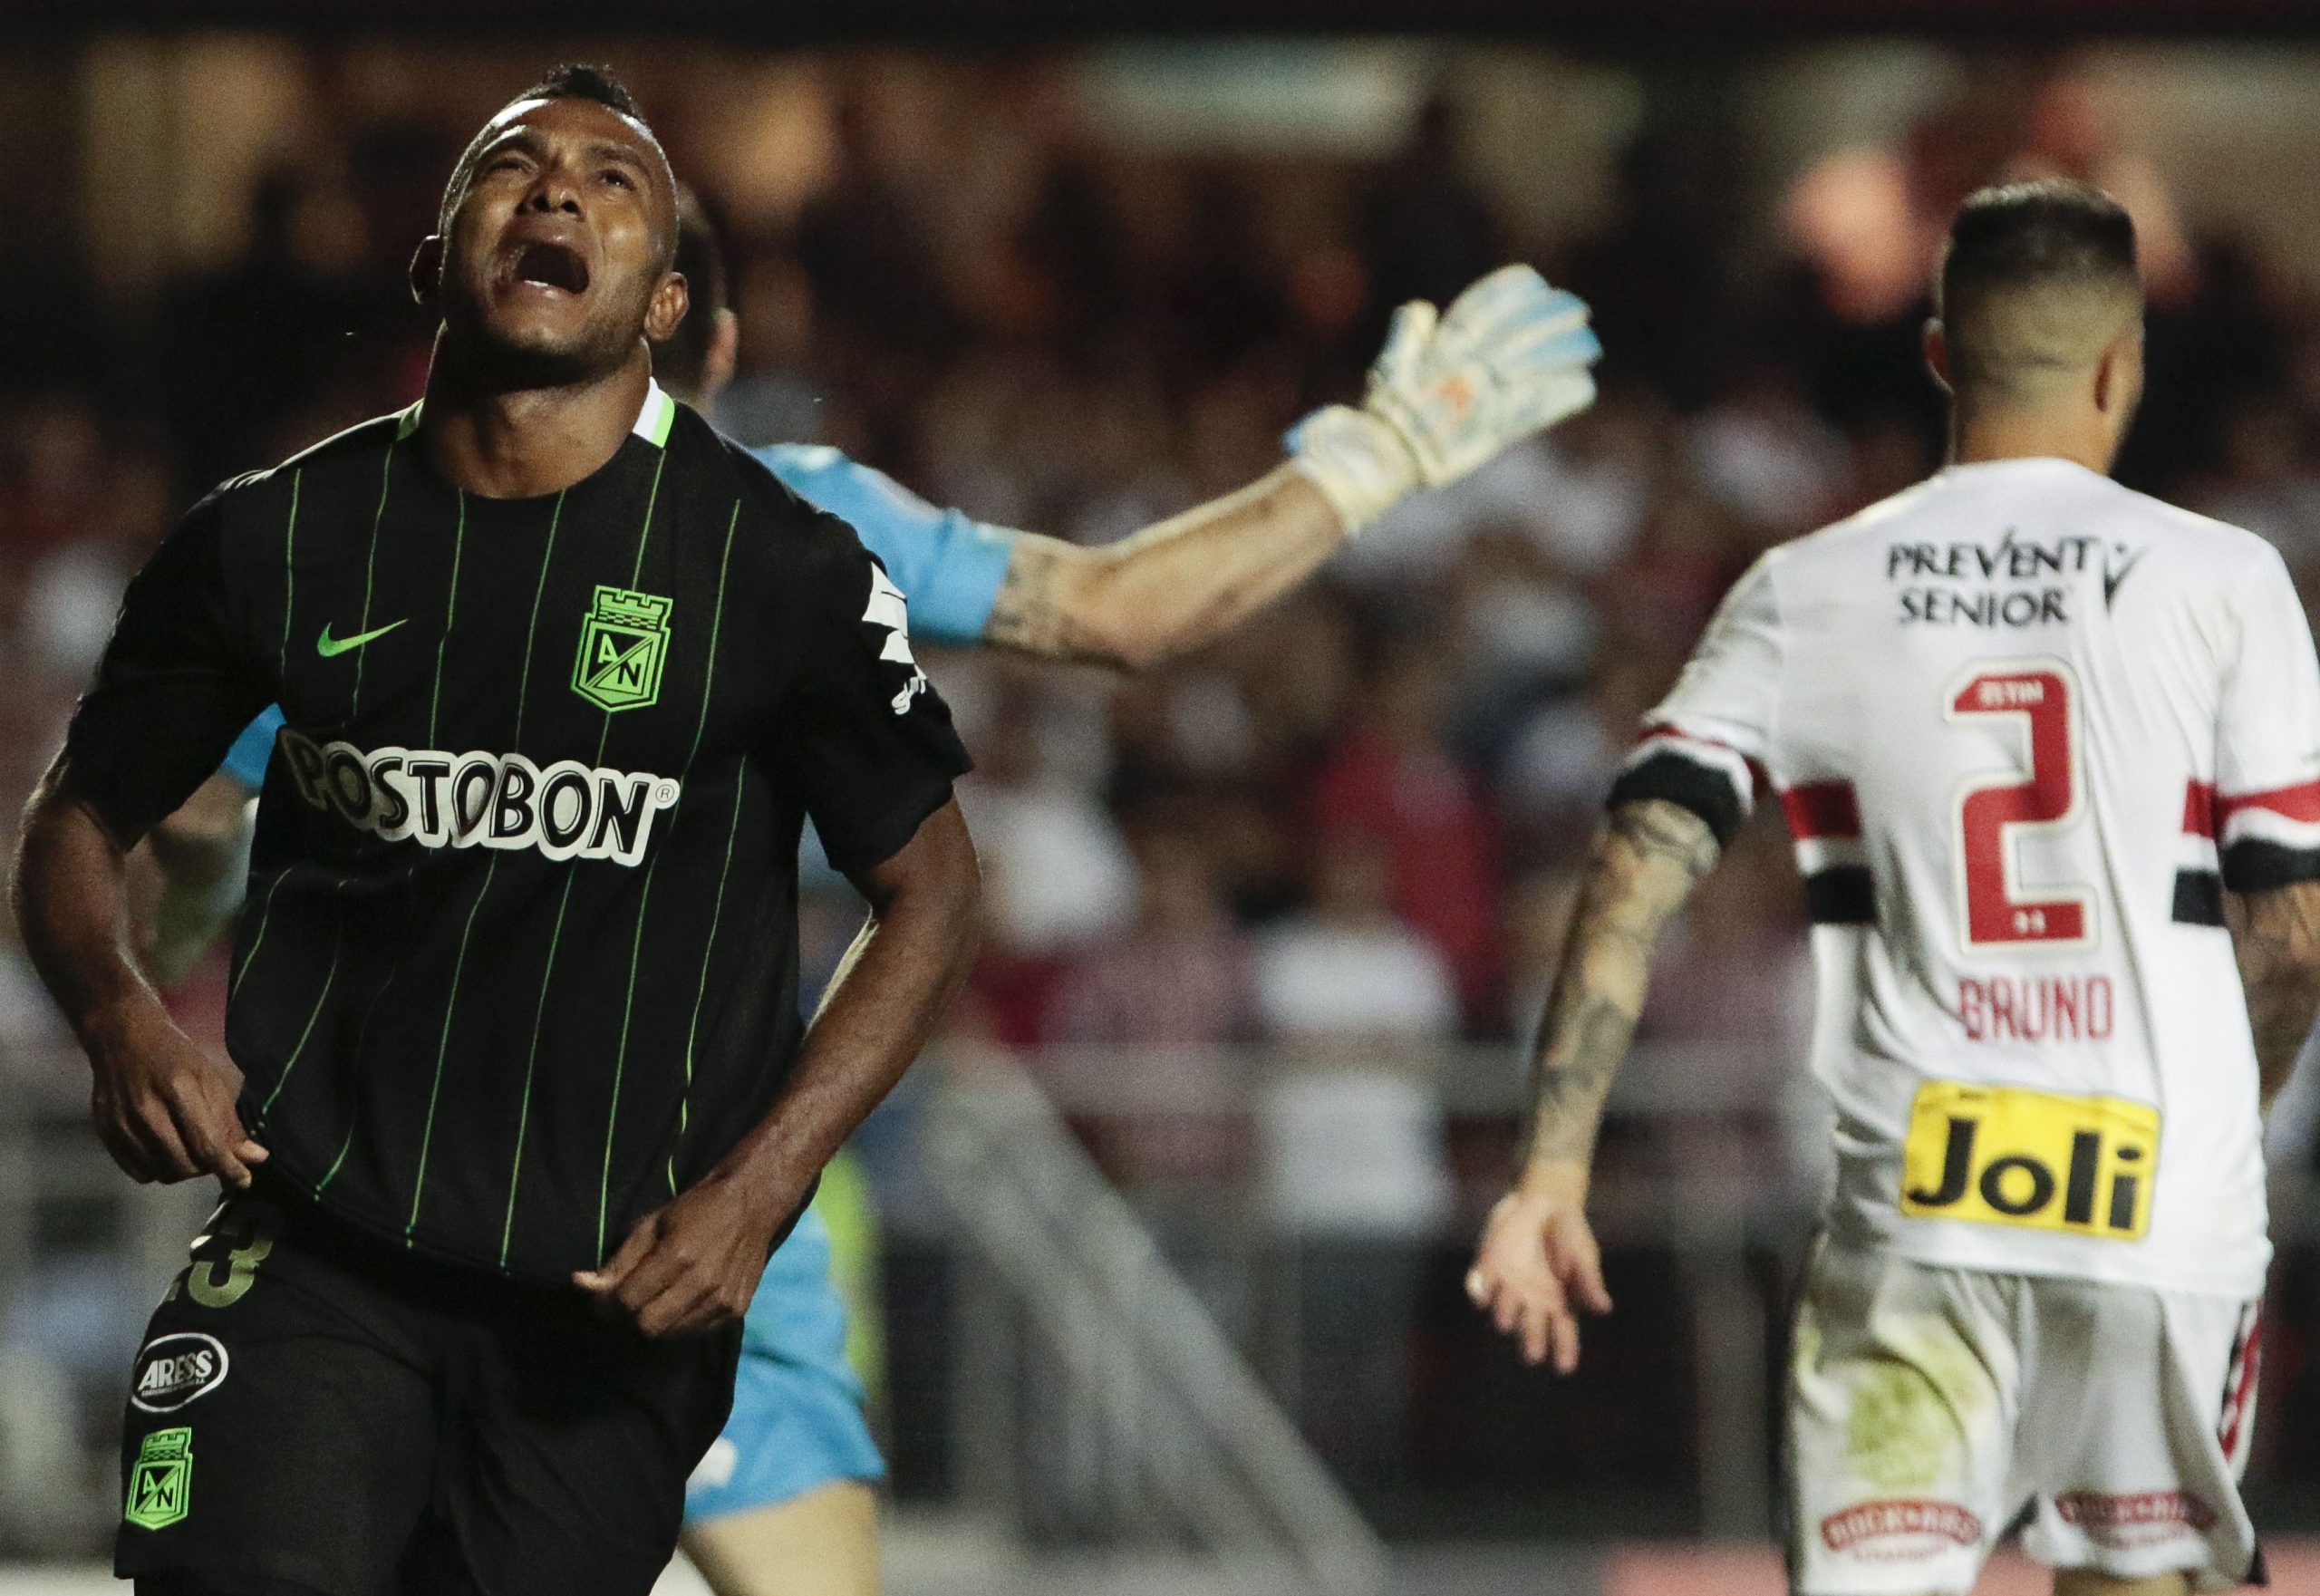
(653,422)
(659,415)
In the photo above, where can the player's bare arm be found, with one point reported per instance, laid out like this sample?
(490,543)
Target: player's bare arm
(1538,1259)
(163,1105)
(1509,359)
(2276,935)
(694,1263)
(1171,588)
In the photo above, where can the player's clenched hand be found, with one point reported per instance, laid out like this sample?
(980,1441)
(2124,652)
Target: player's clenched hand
(163,1105)
(1537,1265)
(690,1265)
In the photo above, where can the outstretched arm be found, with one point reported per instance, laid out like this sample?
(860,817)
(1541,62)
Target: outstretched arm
(1537,1254)
(1510,358)
(1172,587)
(2276,935)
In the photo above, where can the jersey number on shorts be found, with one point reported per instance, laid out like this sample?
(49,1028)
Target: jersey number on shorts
(2037,693)
(244,1229)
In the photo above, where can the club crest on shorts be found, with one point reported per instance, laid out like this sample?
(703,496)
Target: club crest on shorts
(624,642)
(160,1481)
(174,1369)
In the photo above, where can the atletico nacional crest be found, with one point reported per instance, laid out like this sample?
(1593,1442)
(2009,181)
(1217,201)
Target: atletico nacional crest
(160,1483)
(623,642)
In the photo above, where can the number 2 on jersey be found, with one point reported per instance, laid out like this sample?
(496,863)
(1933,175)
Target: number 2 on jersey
(2038,694)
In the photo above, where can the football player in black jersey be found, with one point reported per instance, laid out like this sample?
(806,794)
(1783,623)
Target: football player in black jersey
(518,1100)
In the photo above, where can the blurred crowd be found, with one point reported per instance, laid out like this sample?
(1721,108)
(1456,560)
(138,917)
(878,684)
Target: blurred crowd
(1358,824)
(1353,831)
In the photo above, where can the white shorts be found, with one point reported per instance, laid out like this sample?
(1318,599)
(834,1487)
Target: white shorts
(1930,1409)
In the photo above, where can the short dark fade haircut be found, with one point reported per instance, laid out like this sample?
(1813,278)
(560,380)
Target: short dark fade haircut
(572,81)
(2018,234)
(682,360)
(2052,234)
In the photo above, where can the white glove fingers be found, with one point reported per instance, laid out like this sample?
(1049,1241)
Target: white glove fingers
(1539,319)
(1494,308)
(1545,350)
(1502,293)
(1406,338)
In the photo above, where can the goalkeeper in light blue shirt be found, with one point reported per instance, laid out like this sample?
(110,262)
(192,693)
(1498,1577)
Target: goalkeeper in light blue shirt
(782,1504)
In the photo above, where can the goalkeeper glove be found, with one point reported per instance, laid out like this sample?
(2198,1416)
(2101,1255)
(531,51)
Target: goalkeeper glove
(1511,358)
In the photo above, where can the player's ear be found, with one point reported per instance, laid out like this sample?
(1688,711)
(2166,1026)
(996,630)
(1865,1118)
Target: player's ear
(1936,354)
(670,302)
(724,353)
(426,268)
(2118,375)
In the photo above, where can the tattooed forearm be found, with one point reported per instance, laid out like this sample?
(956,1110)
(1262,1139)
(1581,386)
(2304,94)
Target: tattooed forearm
(1029,615)
(2276,935)
(1648,859)
(1176,585)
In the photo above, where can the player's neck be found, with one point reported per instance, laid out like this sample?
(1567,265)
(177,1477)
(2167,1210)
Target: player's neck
(498,443)
(1977,436)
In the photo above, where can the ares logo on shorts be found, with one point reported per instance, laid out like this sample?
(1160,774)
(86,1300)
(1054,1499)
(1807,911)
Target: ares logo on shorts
(624,642)
(478,800)
(1996,1154)
(160,1481)
(174,1369)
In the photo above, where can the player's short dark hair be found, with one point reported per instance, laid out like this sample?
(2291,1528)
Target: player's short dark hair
(571,81)
(2019,237)
(578,80)
(682,360)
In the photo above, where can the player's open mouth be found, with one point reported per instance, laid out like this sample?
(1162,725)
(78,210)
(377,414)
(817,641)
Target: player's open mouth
(552,265)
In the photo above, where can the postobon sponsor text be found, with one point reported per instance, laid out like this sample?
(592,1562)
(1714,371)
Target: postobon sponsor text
(481,799)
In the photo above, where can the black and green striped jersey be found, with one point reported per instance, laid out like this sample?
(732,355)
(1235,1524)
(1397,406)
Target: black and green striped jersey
(519,956)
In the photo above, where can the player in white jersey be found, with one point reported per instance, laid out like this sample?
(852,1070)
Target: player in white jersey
(2028,729)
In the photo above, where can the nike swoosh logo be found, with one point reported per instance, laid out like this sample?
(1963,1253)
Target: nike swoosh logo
(331,648)
(2113,579)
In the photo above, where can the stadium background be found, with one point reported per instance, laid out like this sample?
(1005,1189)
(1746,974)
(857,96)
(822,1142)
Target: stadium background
(1265,925)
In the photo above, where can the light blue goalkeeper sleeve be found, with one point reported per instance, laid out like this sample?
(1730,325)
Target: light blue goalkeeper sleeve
(948,565)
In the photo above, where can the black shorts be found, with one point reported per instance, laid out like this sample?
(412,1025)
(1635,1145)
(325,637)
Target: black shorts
(316,1406)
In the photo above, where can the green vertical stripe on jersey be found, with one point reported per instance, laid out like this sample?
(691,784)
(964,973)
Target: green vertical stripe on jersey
(603,742)
(531,1058)
(636,948)
(370,568)
(450,613)
(289,569)
(434,703)
(338,947)
(716,913)
(645,537)
(264,909)
(443,1046)
(459,964)
(620,1057)
(361,1040)
(289,592)
(532,632)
